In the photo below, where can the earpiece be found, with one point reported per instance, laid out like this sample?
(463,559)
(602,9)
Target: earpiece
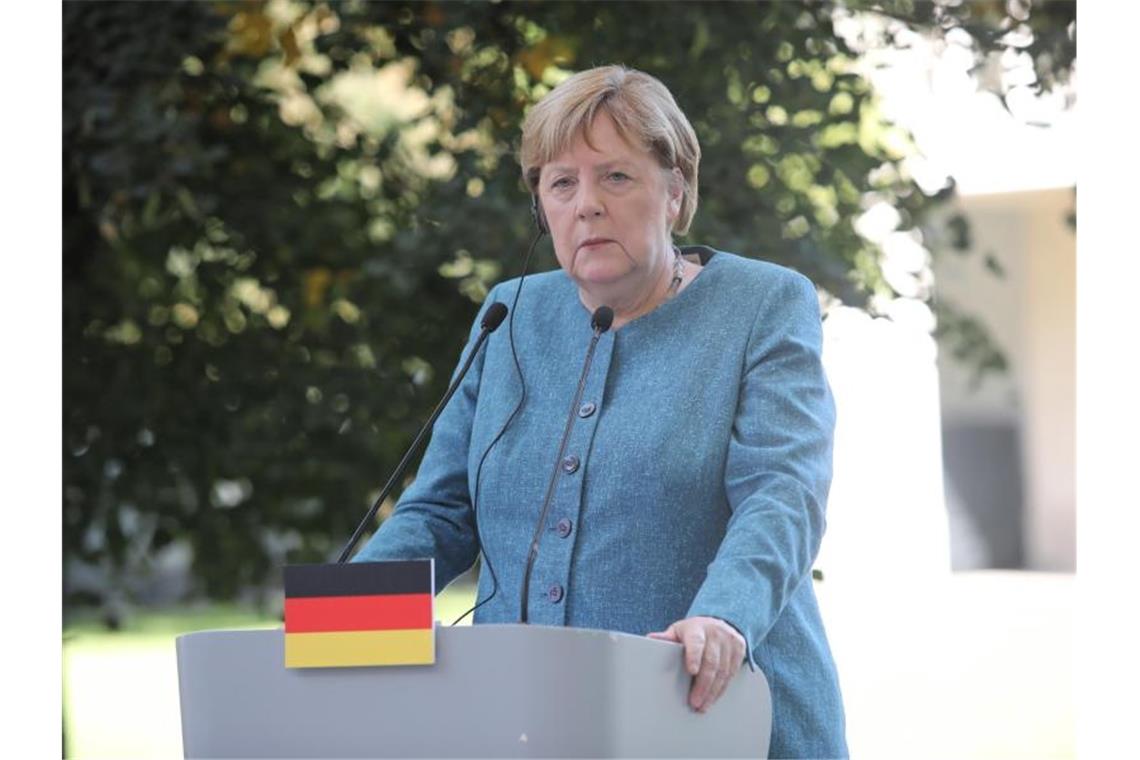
(539,216)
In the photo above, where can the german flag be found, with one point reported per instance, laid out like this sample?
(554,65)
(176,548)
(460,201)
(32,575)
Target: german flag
(360,613)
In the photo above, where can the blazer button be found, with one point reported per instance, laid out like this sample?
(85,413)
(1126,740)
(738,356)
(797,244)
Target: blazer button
(554,593)
(586,409)
(570,464)
(564,527)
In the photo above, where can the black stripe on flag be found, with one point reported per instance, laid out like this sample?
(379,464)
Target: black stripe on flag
(412,576)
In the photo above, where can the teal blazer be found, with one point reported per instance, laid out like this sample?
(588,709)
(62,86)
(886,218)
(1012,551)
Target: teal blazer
(694,482)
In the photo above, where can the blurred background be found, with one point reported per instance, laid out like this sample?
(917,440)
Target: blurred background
(280,219)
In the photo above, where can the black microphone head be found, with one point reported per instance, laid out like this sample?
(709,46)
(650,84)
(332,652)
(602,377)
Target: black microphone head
(603,318)
(494,316)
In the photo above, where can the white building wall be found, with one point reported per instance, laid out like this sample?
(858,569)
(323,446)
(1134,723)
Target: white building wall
(1031,312)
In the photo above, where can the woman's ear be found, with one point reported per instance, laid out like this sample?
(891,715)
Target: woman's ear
(676,191)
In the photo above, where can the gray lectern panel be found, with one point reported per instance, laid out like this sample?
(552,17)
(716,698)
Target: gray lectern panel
(495,691)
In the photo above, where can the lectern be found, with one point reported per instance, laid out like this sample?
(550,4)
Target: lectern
(495,691)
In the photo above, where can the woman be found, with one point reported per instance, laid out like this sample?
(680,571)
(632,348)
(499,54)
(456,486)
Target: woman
(690,501)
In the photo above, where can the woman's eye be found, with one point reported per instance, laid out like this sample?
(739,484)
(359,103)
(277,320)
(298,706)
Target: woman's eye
(560,183)
(618,176)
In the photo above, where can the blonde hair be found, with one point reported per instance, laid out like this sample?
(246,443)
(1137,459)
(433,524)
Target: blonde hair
(643,111)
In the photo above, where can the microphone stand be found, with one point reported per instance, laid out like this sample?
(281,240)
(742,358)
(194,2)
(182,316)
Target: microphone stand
(491,320)
(602,319)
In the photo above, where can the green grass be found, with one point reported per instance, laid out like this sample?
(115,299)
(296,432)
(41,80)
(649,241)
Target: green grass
(120,688)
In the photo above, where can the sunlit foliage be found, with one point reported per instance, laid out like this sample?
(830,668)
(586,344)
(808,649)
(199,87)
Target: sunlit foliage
(279,219)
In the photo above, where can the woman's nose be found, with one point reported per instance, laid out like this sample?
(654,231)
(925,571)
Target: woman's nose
(589,202)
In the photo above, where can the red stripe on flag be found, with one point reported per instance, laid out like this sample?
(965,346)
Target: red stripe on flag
(382,612)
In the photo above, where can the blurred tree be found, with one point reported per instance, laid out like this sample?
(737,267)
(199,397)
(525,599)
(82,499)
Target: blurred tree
(1021,50)
(279,219)
(1001,35)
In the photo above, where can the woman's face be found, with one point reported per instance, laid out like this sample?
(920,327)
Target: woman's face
(610,209)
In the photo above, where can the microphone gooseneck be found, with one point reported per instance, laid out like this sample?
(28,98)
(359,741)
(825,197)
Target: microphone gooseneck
(492,318)
(601,321)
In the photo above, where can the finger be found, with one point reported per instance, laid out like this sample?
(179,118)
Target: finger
(694,641)
(720,683)
(669,634)
(730,665)
(706,677)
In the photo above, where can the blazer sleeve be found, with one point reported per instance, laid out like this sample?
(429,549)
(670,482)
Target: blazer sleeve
(433,517)
(778,469)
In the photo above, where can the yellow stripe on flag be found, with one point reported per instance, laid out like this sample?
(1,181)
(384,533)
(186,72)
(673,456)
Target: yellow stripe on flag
(342,649)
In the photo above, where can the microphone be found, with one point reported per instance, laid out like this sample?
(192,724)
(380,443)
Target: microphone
(601,321)
(492,318)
